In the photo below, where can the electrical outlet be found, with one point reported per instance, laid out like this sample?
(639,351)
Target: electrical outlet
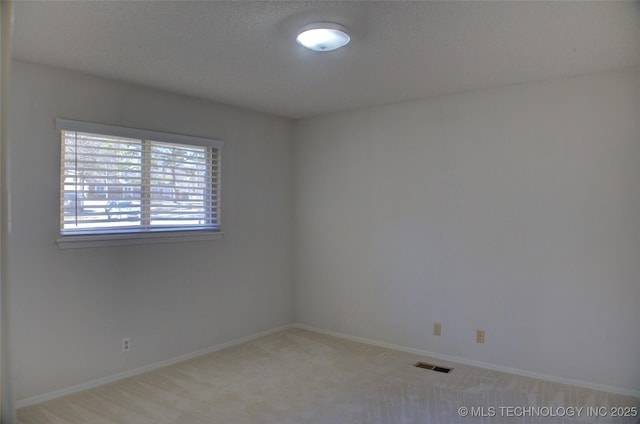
(126,344)
(437,329)
(479,336)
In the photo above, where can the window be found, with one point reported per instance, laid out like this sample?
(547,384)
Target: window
(130,182)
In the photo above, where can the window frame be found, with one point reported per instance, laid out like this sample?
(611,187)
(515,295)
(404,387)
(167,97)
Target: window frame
(133,237)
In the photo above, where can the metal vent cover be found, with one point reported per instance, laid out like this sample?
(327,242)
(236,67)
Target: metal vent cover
(428,366)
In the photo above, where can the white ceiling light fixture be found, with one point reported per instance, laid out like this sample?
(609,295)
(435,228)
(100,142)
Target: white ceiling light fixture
(323,36)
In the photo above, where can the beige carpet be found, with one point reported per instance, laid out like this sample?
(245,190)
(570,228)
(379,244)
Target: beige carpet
(298,376)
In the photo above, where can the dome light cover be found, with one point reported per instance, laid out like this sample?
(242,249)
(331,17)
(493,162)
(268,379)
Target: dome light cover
(323,36)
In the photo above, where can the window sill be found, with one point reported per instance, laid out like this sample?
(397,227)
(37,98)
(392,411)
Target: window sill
(105,240)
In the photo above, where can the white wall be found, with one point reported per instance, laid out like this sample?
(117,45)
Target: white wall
(69,310)
(515,210)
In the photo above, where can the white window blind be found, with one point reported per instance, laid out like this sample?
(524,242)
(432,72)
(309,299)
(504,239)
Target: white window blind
(120,180)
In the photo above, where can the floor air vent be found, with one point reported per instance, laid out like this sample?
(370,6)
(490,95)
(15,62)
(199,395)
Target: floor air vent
(432,367)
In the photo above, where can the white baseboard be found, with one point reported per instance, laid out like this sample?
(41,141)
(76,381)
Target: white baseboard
(465,361)
(130,373)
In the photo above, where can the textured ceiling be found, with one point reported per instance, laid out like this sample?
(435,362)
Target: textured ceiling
(244,53)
